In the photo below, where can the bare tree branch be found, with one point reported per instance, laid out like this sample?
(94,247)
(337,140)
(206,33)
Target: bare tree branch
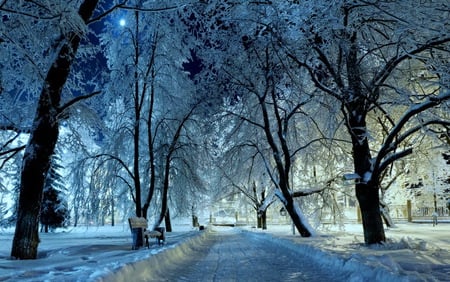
(76,100)
(12,152)
(124,6)
(390,145)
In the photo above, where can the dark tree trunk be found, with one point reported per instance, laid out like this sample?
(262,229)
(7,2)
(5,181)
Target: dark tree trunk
(151,149)
(41,145)
(369,204)
(385,215)
(258,220)
(36,163)
(264,220)
(151,189)
(165,192)
(113,207)
(283,167)
(367,188)
(387,219)
(137,125)
(167,221)
(75,221)
(166,184)
(298,222)
(261,219)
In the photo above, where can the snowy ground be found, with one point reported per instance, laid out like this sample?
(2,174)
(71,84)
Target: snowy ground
(415,252)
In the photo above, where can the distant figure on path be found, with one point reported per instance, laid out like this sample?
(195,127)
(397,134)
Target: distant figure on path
(434,215)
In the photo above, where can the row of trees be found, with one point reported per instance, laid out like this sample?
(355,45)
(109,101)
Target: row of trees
(381,77)
(285,97)
(138,72)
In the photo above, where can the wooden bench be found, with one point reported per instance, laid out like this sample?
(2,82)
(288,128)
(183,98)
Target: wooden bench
(140,222)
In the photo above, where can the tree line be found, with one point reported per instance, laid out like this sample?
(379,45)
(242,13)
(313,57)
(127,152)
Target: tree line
(184,101)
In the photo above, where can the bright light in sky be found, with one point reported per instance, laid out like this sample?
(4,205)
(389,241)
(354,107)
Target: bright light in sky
(122,22)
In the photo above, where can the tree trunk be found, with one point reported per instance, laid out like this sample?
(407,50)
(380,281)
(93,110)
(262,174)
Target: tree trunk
(167,221)
(366,188)
(258,219)
(41,145)
(113,207)
(283,164)
(137,125)
(151,149)
(385,214)
(294,212)
(367,193)
(36,163)
(166,184)
(369,204)
(165,192)
(291,208)
(264,220)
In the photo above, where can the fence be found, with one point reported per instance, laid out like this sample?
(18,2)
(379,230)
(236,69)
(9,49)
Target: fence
(411,212)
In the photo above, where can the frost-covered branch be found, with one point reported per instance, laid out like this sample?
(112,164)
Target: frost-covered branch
(270,199)
(76,100)
(11,152)
(243,118)
(392,158)
(311,142)
(123,5)
(106,13)
(312,73)
(115,158)
(417,128)
(21,12)
(390,145)
(304,193)
(268,168)
(391,65)
(130,187)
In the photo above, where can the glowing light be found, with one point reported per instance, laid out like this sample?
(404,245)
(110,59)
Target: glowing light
(122,22)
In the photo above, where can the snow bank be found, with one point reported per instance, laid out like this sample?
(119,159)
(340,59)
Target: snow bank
(356,267)
(153,265)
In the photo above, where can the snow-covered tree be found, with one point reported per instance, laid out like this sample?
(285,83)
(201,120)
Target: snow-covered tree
(151,102)
(66,25)
(359,52)
(262,90)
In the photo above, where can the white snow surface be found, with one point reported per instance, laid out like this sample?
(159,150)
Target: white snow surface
(414,252)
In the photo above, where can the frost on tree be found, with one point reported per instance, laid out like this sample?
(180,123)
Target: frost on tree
(145,77)
(260,98)
(365,56)
(358,58)
(44,135)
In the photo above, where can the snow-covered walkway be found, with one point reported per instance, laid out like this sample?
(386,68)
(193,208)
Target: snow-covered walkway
(233,255)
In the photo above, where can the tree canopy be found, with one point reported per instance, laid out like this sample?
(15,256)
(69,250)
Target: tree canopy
(169,105)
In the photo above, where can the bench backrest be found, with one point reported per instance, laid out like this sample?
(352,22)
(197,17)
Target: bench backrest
(137,222)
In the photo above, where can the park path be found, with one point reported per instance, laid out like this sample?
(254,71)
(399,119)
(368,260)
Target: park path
(234,255)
